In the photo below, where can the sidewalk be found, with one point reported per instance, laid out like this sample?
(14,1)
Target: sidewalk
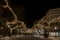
(54,38)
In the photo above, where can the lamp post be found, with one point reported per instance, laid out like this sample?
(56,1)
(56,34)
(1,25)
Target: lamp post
(55,29)
(10,29)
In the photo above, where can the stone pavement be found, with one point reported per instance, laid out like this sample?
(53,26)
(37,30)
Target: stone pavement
(28,37)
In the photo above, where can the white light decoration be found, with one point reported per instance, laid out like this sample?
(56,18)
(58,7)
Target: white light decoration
(15,21)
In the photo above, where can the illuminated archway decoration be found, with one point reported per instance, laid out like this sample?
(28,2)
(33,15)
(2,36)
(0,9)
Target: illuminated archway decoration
(53,15)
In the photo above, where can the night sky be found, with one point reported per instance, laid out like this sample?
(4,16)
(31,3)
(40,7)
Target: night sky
(35,10)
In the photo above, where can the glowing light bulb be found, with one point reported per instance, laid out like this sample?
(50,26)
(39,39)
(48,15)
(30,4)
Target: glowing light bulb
(55,28)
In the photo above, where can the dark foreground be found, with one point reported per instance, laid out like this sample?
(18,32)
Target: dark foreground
(28,38)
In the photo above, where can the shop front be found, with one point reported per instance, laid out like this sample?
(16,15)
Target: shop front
(54,33)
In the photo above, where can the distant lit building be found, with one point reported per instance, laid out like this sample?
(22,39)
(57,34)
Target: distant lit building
(50,21)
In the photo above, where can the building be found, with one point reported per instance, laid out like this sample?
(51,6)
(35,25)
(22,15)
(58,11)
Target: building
(50,21)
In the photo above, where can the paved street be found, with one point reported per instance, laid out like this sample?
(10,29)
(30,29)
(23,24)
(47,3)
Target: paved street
(28,38)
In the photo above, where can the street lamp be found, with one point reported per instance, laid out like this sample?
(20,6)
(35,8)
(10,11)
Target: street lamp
(10,29)
(55,29)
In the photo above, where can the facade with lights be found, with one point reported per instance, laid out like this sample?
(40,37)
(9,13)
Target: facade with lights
(50,22)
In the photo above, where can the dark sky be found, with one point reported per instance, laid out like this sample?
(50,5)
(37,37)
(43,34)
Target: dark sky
(35,10)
